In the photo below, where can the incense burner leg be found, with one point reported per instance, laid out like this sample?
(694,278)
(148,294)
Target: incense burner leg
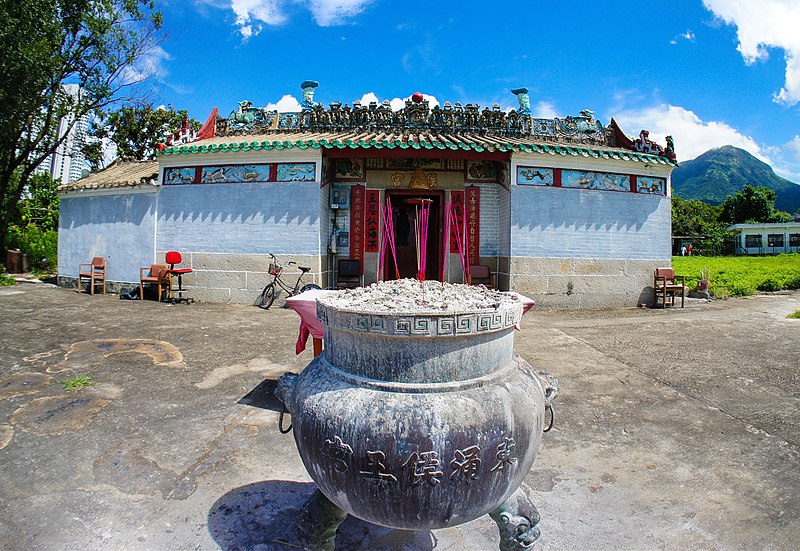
(317,522)
(517,519)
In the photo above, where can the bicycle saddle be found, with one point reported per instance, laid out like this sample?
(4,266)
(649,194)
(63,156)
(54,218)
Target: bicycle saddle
(304,269)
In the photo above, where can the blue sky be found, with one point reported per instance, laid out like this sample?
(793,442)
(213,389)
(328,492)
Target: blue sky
(708,72)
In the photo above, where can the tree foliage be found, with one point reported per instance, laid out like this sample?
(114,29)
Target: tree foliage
(750,205)
(39,204)
(45,44)
(134,129)
(694,217)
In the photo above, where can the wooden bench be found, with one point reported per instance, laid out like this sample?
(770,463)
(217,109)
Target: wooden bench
(95,272)
(665,284)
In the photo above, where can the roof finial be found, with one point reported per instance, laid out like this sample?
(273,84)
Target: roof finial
(524,100)
(308,87)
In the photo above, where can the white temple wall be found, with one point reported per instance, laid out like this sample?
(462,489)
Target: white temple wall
(118,224)
(588,248)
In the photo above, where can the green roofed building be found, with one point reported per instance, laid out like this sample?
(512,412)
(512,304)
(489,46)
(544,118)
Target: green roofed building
(567,211)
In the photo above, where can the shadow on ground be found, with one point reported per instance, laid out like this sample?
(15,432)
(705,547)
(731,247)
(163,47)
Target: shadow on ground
(261,516)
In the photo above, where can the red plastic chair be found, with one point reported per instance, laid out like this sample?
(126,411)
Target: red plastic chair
(172,258)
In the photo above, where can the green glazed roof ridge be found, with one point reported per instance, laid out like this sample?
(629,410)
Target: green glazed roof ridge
(465,143)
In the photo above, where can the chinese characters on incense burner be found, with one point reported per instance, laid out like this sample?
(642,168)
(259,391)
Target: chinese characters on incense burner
(422,466)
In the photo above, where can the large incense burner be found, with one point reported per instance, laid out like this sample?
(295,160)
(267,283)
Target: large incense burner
(419,414)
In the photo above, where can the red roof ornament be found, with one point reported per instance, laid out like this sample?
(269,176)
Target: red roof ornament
(417,97)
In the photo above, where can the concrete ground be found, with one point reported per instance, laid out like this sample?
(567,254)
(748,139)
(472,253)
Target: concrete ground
(675,429)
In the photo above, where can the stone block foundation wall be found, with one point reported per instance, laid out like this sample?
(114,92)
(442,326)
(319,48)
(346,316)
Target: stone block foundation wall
(239,278)
(584,283)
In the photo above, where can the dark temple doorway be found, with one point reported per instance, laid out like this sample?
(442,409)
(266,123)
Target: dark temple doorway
(405,208)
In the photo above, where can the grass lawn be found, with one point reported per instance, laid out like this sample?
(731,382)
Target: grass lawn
(741,275)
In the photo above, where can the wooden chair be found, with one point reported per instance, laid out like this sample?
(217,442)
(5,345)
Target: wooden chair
(94,272)
(348,274)
(665,284)
(158,275)
(480,274)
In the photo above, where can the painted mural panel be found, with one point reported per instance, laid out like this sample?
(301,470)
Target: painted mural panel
(647,184)
(174,176)
(297,172)
(234,174)
(349,170)
(481,171)
(585,179)
(532,176)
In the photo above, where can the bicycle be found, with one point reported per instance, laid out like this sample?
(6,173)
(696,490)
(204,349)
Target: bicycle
(267,296)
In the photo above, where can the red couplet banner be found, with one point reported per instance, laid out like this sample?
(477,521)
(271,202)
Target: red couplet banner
(457,201)
(357,210)
(473,215)
(372,221)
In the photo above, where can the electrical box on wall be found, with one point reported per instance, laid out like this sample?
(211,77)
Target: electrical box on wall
(340,197)
(343,240)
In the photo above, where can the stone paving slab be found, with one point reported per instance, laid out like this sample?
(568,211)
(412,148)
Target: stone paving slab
(675,429)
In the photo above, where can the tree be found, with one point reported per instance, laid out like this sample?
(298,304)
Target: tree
(39,204)
(694,217)
(752,204)
(46,44)
(134,128)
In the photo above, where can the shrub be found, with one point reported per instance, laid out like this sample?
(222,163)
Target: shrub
(40,245)
(7,281)
(769,285)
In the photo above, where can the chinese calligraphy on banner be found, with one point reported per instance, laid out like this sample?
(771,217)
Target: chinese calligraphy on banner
(357,209)
(457,202)
(372,218)
(473,214)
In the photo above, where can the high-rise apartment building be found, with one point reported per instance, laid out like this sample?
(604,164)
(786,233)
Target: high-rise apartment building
(68,161)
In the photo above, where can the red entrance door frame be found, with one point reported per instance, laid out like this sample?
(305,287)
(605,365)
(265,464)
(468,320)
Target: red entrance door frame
(406,252)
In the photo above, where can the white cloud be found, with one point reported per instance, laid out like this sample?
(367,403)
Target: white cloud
(398,104)
(368,98)
(689,36)
(543,110)
(787,159)
(151,64)
(793,147)
(692,135)
(762,25)
(333,12)
(253,15)
(287,104)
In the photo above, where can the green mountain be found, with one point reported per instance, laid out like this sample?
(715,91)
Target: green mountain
(723,171)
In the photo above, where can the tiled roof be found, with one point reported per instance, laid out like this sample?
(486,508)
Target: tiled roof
(118,174)
(463,141)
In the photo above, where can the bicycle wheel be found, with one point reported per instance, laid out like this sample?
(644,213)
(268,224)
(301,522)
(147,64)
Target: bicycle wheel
(309,287)
(267,297)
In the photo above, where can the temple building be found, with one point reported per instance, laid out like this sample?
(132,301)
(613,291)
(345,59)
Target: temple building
(568,211)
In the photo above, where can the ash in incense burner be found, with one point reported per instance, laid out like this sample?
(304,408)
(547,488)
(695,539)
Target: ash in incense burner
(419,414)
